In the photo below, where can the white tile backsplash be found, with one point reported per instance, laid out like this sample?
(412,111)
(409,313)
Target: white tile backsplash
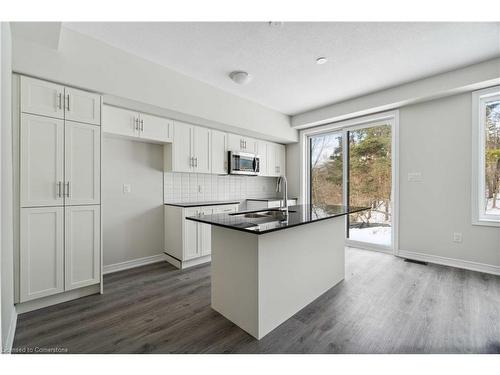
(195,187)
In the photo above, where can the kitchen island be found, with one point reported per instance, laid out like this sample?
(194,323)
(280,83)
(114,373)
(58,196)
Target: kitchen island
(268,265)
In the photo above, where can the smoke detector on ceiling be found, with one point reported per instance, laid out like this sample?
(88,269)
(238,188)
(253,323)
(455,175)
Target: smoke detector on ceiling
(240,77)
(321,60)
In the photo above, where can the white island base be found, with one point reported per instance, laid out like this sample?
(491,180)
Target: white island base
(261,280)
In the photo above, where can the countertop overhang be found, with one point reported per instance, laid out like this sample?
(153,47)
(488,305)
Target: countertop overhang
(297,215)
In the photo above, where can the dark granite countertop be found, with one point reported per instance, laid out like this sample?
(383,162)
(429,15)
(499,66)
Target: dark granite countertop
(269,199)
(201,204)
(260,223)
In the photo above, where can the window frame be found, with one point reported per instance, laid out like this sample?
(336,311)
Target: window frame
(391,117)
(479,100)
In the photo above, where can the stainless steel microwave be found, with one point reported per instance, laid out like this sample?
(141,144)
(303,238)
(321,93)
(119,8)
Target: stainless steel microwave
(243,163)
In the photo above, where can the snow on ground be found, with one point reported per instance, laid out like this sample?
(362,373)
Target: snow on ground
(375,235)
(493,211)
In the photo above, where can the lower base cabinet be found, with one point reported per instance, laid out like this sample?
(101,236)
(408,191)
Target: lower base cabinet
(186,241)
(59,249)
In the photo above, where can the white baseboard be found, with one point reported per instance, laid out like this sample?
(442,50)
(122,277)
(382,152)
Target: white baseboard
(457,263)
(7,347)
(40,303)
(110,268)
(187,263)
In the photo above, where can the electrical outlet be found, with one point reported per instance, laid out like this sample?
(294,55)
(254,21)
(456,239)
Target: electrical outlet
(127,188)
(457,237)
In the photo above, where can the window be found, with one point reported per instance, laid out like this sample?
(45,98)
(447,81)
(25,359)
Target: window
(486,157)
(352,163)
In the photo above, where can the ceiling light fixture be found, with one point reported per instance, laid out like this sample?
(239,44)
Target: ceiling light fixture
(321,60)
(240,77)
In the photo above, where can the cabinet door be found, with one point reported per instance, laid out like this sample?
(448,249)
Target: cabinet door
(82,106)
(272,168)
(41,252)
(82,246)
(120,121)
(41,161)
(261,151)
(155,128)
(219,152)
(181,148)
(201,149)
(281,159)
(250,145)
(190,235)
(235,142)
(42,98)
(205,233)
(82,149)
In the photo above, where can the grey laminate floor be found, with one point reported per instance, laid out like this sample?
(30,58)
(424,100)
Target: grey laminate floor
(384,305)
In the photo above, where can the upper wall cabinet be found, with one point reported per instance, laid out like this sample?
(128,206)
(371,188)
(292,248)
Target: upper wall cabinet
(242,144)
(261,150)
(137,126)
(42,98)
(276,157)
(48,99)
(190,150)
(82,106)
(219,152)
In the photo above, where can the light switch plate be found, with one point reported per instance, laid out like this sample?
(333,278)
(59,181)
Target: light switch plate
(457,237)
(415,177)
(127,188)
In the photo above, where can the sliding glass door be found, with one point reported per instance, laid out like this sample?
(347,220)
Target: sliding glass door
(353,165)
(369,184)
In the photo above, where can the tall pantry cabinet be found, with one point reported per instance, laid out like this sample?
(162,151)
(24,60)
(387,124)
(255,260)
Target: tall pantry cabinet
(59,189)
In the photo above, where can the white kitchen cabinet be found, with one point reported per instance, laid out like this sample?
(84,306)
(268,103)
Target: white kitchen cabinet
(82,246)
(41,161)
(82,167)
(136,126)
(120,121)
(178,155)
(204,233)
(155,129)
(41,252)
(82,106)
(190,149)
(42,97)
(188,242)
(218,150)
(261,148)
(276,157)
(190,236)
(241,143)
(201,149)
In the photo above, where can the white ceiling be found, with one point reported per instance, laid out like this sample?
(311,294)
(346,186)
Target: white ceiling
(362,57)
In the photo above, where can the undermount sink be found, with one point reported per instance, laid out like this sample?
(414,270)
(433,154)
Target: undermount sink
(262,214)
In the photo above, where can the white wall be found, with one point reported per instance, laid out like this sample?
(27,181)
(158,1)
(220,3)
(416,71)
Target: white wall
(435,139)
(132,222)
(196,187)
(8,313)
(90,64)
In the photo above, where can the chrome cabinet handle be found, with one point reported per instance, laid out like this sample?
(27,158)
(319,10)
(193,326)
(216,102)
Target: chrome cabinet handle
(191,161)
(59,96)
(67,192)
(142,125)
(136,120)
(59,189)
(67,98)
